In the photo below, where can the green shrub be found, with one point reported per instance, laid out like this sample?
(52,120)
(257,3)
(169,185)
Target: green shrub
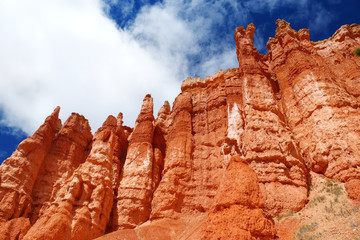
(357,52)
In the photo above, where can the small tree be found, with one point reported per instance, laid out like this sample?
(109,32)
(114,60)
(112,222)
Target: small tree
(357,52)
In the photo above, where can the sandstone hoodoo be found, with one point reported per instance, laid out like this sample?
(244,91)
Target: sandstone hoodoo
(240,155)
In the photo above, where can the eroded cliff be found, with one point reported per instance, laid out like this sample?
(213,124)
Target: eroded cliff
(236,150)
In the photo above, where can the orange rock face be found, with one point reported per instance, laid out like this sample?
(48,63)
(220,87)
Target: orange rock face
(319,87)
(136,180)
(236,149)
(18,173)
(81,208)
(265,141)
(237,208)
(66,153)
(14,229)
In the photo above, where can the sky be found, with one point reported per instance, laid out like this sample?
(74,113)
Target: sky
(101,57)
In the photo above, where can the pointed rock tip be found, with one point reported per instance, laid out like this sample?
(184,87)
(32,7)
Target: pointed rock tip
(251,27)
(249,32)
(56,111)
(147,96)
(281,23)
(165,109)
(120,115)
(76,120)
(147,99)
(110,120)
(239,29)
(52,119)
(166,104)
(120,119)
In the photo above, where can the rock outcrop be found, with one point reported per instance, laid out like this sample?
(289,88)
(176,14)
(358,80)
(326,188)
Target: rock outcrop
(266,141)
(237,207)
(235,150)
(19,172)
(319,86)
(136,180)
(66,153)
(81,208)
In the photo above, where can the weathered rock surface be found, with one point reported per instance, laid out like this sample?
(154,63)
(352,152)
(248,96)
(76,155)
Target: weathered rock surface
(286,114)
(265,140)
(66,153)
(82,206)
(319,87)
(194,162)
(18,173)
(136,180)
(236,212)
(14,229)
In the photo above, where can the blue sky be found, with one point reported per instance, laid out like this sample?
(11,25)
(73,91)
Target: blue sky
(101,57)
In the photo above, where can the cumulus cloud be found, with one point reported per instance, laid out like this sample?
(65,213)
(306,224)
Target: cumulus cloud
(181,31)
(69,53)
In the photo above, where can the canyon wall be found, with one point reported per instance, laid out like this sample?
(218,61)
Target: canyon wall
(237,147)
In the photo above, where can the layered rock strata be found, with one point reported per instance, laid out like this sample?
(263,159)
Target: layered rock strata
(265,140)
(319,87)
(235,149)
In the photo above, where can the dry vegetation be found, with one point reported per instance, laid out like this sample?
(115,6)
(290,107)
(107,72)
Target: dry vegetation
(329,214)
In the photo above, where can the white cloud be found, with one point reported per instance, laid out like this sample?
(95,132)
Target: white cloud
(69,53)
(180,31)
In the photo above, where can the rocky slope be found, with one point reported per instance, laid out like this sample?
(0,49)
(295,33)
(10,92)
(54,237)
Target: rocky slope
(239,155)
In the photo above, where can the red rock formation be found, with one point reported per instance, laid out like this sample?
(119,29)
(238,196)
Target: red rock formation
(119,156)
(136,179)
(169,195)
(66,153)
(236,212)
(14,229)
(18,173)
(265,140)
(319,86)
(194,161)
(81,208)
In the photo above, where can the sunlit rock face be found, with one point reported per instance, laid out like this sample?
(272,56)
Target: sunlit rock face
(239,200)
(320,93)
(136,184)
(235,149)
(20,171)
(68,150)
